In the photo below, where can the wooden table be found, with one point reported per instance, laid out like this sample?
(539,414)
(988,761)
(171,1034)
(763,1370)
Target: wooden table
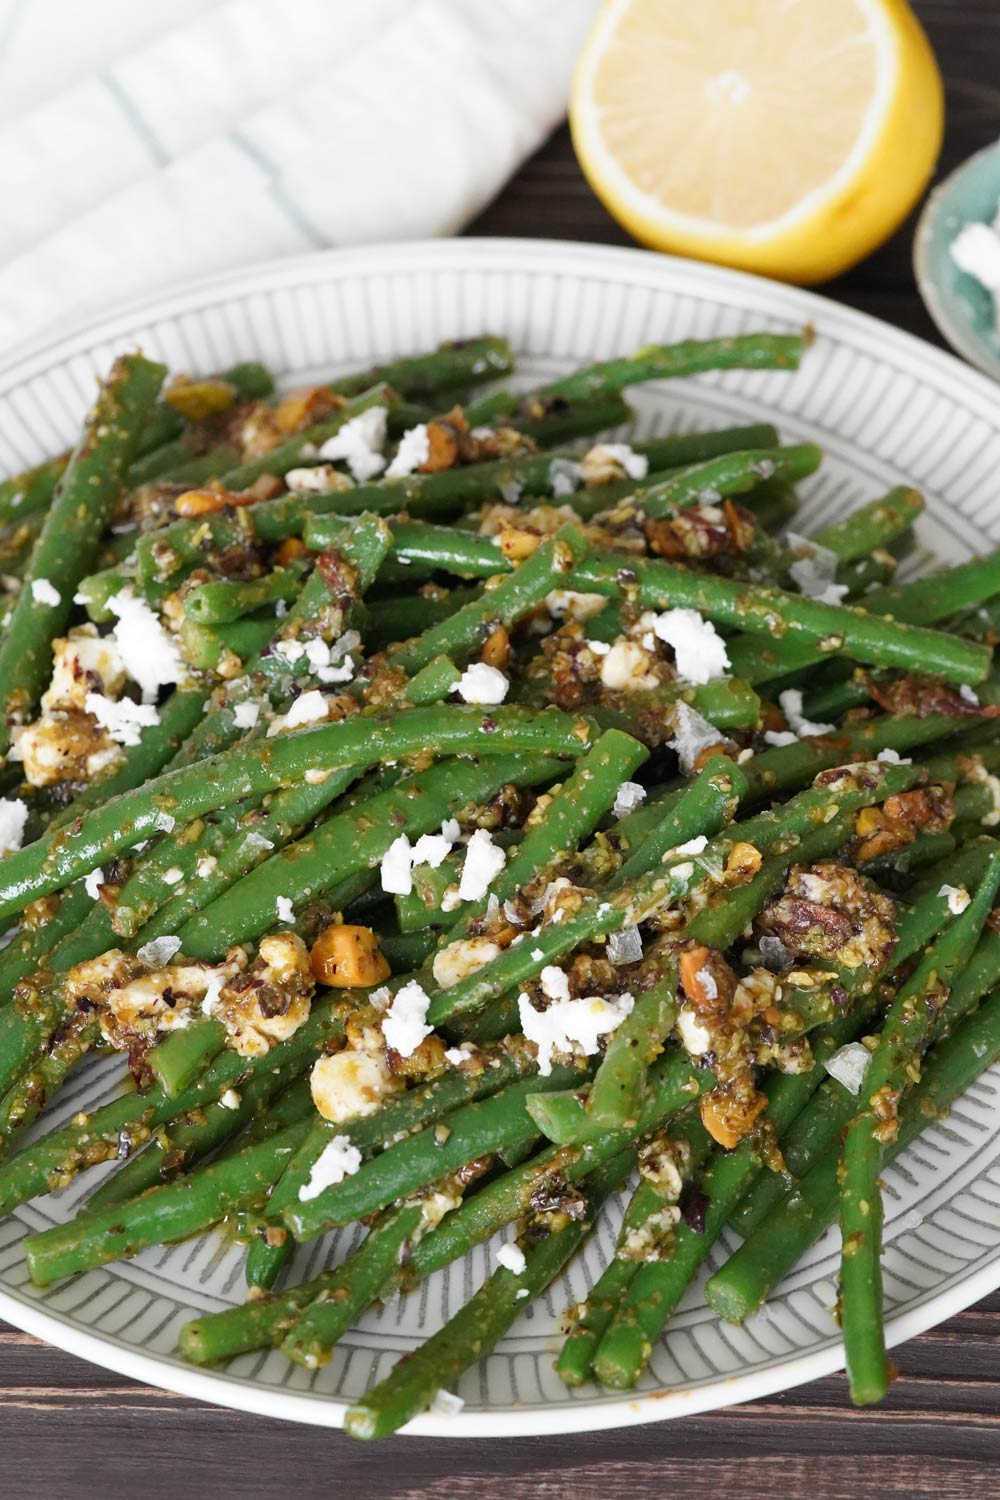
(73,1432)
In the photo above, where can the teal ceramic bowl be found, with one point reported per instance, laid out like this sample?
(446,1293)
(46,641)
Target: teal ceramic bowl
(961,308)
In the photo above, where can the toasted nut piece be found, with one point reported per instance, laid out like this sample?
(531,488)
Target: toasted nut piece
(772,719)
(443,448)
(728,1117)
(303,407)
(722,748)
(197,399)
(707,980)
(516,545)
(291,548)
(868,821)
(744,860)
(344,956)
(496,652)
(195,503)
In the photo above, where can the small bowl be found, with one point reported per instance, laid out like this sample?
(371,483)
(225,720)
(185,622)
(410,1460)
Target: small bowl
(961,308)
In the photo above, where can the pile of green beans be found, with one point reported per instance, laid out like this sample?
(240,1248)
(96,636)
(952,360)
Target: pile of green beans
(373,687)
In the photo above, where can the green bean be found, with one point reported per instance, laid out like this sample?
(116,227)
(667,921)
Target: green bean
(68,540)
(616,1093)
(478,1326)
(906,1027)
(475,1130)
(763,611)
(730,474)
(871,526)
(222,602)
(743,1283)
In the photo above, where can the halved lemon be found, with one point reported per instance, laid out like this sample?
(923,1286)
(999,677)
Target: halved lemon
(787,137)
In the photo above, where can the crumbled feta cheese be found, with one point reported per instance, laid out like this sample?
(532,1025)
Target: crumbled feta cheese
(968,695)
(482,684)
(151,657)
(554,982)
(511,1257)
(603,456)
(245,715)
(779,738)
(696,1039)
(332,663)
(319,480)
(445,1404)
(957,896)
(699,650)
(456,1056)
(359,443)
(537,954)
(414,449)
(976,251)
(564,476)
(285,908)
(396,868)
(159,952)
(707,984)
(815,571)
(213,991)
(13,817)
(692,735)
(790,702)
(628,797)
(125,720)
(693,846)
(292,650)
(977,772)
(337,1160)
(431,849)
(458,960)
(483,862)
(230,1099)
(93,882)
(309,708)
(451,830)
(848,1066)
(569,1023)
(627,668)
(624,946)
(173,876)
(405,1024)
(567,604)
(206,866)
(892,758)
(599,648)
(43,592)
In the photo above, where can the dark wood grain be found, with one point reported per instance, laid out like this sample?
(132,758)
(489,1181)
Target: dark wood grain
(73,1432)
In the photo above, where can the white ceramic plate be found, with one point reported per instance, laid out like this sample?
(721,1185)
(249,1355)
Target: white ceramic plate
(885,408)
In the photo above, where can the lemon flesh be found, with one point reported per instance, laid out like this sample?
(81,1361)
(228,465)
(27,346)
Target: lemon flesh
(787,137)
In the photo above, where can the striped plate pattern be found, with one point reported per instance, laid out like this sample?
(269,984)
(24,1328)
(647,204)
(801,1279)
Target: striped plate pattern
(885,408)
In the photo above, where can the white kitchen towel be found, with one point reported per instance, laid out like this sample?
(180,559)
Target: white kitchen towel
(202,136)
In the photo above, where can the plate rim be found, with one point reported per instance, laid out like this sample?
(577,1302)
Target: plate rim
(32,357)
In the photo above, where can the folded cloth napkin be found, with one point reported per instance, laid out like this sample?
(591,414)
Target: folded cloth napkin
(203,136)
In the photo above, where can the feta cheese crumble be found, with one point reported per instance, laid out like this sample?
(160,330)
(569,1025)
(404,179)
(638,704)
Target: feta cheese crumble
(431,849)
(692,735)
(245,715)
(93,882)
(446,1404)
(309,708)
(696,1039)
(151,658)
(124,720)
(414,449)
(482,684)
(483,862)
(957,897)
(396,868)
(815,571)
(359,444)
(404,1025)
(567,1024)
(628,797)
(285,908)
(790,703)
(512,1258)
(337,1160)
(44,592)
(699,651)
(13,817)
(564,476)
(230,1099)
